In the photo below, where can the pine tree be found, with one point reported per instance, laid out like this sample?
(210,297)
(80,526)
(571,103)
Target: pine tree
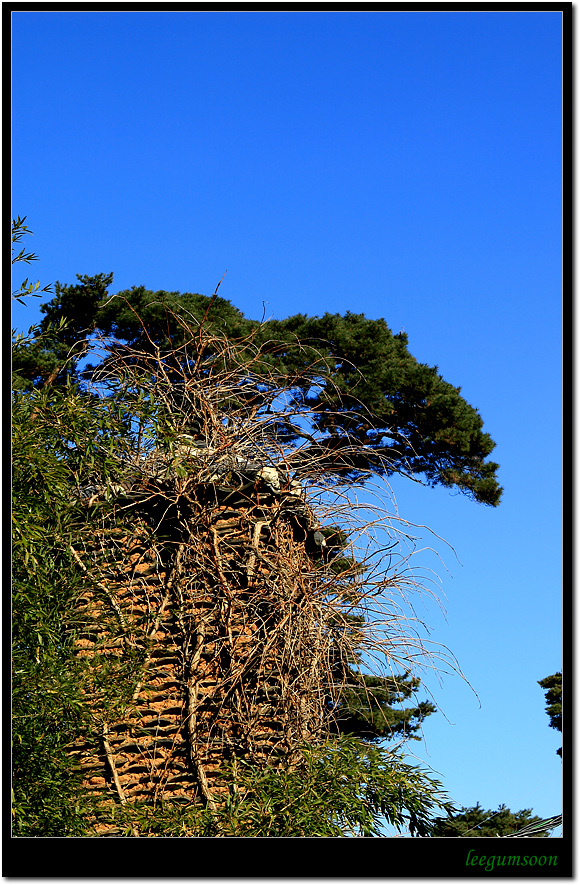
(370,409)
(553,688)
(375,406)
(476,821)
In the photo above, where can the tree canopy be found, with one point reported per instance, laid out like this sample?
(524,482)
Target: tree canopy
(374,405)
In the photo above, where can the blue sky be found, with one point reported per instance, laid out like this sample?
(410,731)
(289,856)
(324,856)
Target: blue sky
(405,165)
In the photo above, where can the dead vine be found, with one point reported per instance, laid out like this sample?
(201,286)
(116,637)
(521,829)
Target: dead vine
(246,613)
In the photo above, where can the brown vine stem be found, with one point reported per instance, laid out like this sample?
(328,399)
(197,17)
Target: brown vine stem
(157,621)
(192,688)
(223,581)
(201,325)
(98,584)
(250,568)
(113,767)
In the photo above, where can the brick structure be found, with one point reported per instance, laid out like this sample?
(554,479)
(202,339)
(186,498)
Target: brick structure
(217,586)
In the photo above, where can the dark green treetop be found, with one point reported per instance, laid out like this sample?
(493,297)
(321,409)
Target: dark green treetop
(553,688)
(370,708)
(374,406)
(407,418)
(476,821)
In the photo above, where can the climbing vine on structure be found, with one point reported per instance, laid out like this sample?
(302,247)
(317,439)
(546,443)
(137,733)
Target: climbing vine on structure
(229,580)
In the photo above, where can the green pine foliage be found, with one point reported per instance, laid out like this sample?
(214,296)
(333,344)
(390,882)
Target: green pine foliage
(408,418)
(552,685)
(371,707)
(376,406)
(476,821)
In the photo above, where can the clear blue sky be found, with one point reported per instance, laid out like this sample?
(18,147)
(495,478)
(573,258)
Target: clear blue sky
(405,165)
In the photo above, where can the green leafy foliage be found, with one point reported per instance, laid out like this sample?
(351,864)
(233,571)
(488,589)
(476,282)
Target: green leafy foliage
(342,788)
(19,231)
(48,706)
(60,439)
